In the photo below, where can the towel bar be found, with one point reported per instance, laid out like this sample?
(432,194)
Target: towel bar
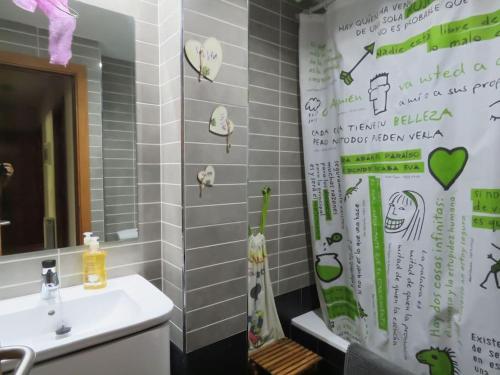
(22,353)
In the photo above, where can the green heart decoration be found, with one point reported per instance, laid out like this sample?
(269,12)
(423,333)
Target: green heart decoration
(447,165)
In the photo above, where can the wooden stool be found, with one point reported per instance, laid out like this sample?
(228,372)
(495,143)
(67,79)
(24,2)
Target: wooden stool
(283,357)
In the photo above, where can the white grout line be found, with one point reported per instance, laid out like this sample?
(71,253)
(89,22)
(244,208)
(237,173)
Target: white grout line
(218,184)
(211,102)
(213,144)
(222,42)
(175,325)
(215,264)
(214,323)
(215,304)
(235,5)
(19,284)
(215,19)
(215,164)
(169,224)
(173,245)
(296,276)
(171,264)
(193,78)
(216,205)
(264,150)
(216,225)
(201,248)
(215,284)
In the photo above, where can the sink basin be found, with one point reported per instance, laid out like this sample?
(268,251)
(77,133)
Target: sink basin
(128,305)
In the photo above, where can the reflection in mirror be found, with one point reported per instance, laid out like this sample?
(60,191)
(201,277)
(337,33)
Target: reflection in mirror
(67,134)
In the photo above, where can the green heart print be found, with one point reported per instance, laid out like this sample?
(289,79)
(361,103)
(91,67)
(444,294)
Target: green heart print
(447,165)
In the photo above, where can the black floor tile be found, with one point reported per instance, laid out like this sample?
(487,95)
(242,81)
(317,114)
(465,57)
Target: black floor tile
(325,368)
(226,357)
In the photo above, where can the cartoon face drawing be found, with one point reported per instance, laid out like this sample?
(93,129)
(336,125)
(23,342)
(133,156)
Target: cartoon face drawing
(379,87)
(405,214)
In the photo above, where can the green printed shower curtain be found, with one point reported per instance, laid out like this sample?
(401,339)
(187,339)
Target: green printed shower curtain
(401,131)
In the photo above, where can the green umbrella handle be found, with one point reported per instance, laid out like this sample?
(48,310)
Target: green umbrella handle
(266,192)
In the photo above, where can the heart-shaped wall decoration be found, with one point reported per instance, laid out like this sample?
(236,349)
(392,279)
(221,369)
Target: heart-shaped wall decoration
(447,165)
(205,58)
(220,124)
(207,176)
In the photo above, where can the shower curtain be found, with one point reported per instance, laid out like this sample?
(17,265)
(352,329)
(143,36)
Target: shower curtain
(401,131)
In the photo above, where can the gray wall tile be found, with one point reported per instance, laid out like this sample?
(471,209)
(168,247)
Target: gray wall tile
(215,332)
(216,293)
(217,312)
(225,32)
(209,275)
(210,215)
(219,253)
(215,235)
(274,111)
(172,274)
(215,222)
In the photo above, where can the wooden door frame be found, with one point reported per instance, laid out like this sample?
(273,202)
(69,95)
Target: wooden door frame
(81,133)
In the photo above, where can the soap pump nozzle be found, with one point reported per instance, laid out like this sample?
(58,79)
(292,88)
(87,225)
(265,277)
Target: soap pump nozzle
(87,237)
(94,243)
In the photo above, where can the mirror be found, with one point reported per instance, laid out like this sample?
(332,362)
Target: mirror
(67,134)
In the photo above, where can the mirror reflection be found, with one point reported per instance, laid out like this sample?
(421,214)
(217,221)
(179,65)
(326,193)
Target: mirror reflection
(67,133)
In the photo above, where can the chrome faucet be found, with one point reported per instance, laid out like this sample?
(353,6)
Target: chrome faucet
(50,293)
(50,280)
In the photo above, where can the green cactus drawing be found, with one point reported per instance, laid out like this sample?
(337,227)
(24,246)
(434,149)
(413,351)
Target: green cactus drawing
(350,191)
(440,361)
(362,312)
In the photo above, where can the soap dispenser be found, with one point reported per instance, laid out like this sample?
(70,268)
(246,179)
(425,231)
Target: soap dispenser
(94,266)
(87,237)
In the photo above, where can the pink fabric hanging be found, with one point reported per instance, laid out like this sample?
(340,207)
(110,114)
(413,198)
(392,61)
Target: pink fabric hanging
(61,26)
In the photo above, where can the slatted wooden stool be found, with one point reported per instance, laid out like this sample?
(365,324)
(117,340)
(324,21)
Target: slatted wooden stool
(283,357)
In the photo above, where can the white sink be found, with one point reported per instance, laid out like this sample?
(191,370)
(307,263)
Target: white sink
(128,305)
